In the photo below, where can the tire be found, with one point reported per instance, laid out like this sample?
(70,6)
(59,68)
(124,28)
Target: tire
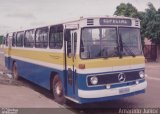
(57,89)
(15,71)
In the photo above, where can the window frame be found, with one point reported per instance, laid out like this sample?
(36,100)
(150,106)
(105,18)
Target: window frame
(29,42)
(14,35)
(22,43)
(58,27)
(6,40)
(75,43)
(41,42)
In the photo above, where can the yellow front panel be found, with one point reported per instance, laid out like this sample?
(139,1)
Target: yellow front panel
(111,62)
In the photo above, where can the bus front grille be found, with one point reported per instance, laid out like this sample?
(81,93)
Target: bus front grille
(113,78)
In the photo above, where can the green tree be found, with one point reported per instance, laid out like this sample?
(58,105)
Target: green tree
(127,10)
(150,23)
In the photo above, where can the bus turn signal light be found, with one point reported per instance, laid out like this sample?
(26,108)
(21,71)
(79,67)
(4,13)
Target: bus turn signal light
(81,66)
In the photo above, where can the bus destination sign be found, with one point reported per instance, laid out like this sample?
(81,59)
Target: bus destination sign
(115,21)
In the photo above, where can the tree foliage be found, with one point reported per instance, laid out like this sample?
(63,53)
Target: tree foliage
(150,23)
(127,10)
(150,20)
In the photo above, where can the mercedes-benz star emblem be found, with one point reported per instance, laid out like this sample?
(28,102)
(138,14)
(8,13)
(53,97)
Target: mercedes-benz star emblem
(121,77)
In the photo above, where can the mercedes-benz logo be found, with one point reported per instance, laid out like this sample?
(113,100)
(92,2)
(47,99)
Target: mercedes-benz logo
(121,77)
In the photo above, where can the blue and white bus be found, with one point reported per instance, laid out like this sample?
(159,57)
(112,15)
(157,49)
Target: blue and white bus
(92,59)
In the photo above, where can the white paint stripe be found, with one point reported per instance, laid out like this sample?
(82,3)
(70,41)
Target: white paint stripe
(153,78)
(110,92)
(39,49)
(50,65)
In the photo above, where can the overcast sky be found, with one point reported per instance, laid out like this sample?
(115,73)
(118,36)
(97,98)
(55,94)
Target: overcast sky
(21,14)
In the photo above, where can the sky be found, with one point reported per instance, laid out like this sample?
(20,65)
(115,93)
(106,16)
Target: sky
(22,14)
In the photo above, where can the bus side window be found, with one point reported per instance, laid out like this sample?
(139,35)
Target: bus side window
(6,40)
(75,43)
(19,39)
(3,40)
(29,38)
(14,39)
(41,39)
(69,46)
(56,37)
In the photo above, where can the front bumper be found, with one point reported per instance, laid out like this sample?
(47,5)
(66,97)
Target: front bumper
(90,94)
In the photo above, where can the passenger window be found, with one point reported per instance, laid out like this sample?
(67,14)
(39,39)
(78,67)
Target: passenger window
(69,46)
(75,43)
(29,38)
(14,39)
(6,40)
(19,39)
(41,40)
(56,37)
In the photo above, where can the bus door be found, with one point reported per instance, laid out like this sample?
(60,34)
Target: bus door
(70,63)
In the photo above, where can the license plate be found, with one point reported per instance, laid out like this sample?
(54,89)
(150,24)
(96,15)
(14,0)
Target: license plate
(124,90)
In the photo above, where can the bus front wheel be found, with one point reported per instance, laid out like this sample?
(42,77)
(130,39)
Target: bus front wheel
(57,89)
(15,71)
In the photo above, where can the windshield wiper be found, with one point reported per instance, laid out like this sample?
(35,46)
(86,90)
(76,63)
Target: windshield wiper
(124,46)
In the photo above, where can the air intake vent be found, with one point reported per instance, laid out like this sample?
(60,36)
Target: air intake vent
(136,23)
(90,22)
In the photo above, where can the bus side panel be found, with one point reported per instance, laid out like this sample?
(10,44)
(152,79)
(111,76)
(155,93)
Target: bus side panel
(38,74)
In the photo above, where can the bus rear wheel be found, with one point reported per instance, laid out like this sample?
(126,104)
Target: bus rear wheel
(15,71)
(57,89)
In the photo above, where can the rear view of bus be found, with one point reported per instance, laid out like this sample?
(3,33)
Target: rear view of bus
(109,62)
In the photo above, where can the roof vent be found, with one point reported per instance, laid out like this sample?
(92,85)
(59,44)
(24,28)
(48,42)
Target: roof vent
(90,22)
(136,23)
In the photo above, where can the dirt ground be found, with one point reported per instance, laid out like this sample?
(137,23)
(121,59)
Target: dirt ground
(22,94)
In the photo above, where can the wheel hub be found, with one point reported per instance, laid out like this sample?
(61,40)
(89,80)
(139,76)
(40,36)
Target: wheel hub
(58,89)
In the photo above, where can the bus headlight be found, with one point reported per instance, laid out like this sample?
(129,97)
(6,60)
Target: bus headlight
(94,80)
(142,74)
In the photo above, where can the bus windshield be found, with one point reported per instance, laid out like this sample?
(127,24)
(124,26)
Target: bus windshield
(130,39)
(103,42)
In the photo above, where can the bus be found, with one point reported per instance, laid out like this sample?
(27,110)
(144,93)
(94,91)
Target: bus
(92,59)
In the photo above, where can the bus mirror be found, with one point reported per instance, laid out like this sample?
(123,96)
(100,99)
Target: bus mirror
(67,35)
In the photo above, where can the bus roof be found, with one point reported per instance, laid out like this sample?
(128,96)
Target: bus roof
(77,21)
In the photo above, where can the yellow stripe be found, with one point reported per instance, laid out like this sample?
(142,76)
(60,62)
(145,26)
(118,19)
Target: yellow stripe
(58,58)
(110,62)
(49,57)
